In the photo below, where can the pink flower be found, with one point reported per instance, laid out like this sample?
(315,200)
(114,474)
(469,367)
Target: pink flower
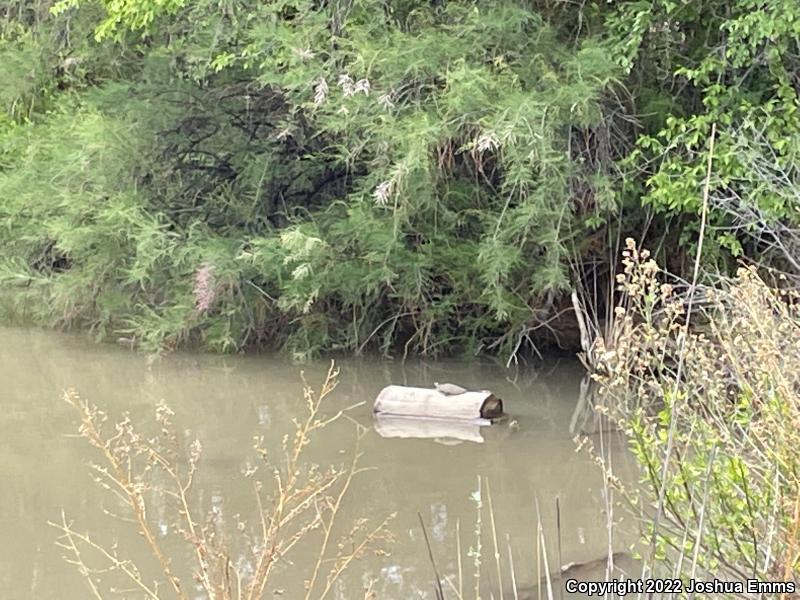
(204,290)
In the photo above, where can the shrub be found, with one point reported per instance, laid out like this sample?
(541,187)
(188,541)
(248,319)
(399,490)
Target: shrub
(294,501)
(711,409)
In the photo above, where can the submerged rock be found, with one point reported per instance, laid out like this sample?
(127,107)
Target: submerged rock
(625,566)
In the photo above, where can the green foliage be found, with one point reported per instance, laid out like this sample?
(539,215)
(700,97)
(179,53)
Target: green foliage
(711,414)
(415,176)
(352,175)
(736,62)
(124,14)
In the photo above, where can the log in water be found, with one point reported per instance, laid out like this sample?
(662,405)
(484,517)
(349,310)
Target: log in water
(406,401)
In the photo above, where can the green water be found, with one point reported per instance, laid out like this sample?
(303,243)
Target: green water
(226,401)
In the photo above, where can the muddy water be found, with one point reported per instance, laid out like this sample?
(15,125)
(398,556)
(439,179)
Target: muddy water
(226,401)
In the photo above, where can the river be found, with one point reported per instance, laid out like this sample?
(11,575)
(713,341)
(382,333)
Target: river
(224,401)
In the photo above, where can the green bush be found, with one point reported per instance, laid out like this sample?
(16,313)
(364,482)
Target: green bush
(353,178)
(430,177)
(711,414)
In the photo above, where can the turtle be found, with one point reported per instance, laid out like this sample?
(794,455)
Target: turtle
(449,389)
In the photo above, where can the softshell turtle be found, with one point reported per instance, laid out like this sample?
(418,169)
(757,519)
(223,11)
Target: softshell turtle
(449,389)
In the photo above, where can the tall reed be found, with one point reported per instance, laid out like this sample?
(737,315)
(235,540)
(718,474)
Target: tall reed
(730,384)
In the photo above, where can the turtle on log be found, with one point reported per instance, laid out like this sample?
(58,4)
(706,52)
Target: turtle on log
(449,389)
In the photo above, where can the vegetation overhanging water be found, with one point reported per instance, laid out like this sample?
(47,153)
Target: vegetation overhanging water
(428,179)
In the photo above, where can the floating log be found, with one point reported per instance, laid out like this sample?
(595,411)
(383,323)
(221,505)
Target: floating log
(400,400)
(440,430)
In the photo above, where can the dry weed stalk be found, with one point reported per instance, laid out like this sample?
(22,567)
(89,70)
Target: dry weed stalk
(493,588)
(731,477)
(303,499)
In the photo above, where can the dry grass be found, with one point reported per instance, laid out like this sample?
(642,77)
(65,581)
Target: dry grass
(491,581)
(295,502)
(712,412)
